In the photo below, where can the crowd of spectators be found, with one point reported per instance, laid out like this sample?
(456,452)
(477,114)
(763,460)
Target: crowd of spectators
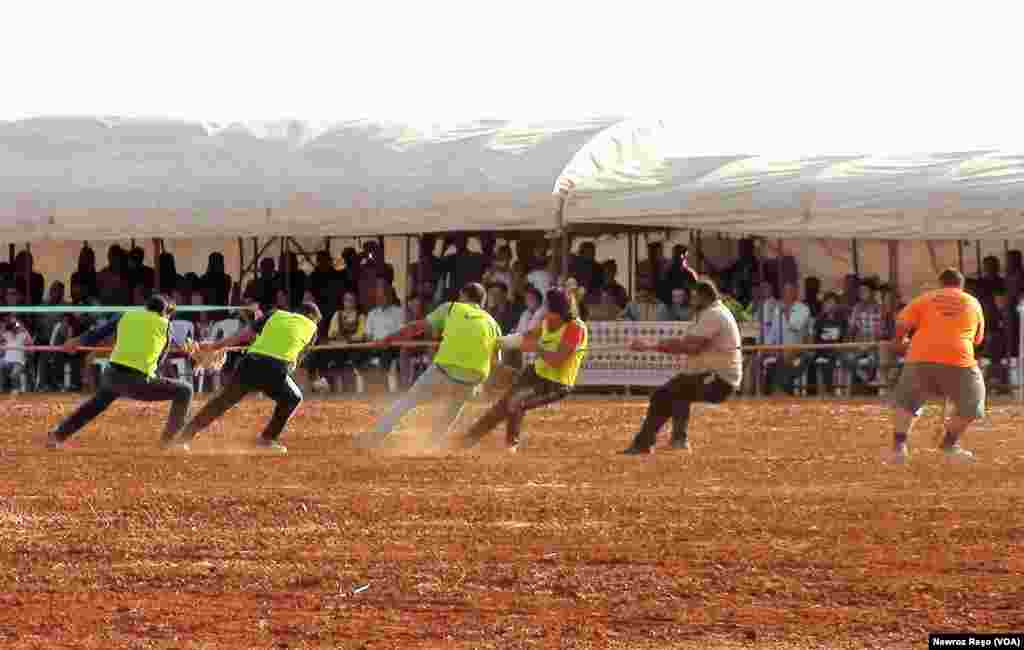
(360,302)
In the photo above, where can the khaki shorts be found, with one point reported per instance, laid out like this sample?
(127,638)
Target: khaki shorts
(965,387)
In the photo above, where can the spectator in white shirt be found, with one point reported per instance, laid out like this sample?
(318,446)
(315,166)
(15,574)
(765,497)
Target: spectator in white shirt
(385,319)
(14,361)
(534,312)
(793,323)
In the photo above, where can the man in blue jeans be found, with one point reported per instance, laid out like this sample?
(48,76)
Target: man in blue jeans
(469,343)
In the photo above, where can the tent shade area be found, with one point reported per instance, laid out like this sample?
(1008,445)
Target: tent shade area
(91,178)
(661,174)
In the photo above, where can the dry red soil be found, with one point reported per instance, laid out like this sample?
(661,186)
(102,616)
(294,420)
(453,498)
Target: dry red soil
(782,530)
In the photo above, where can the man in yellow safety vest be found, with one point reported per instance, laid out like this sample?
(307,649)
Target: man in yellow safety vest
(560,342)
(279,342)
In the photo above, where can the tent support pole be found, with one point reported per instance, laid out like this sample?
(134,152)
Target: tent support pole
(302,251)
(701,267)
(408,260)
(631,243)
(27,274)
(563,232)
(241,266)
(10,254)
(856,257)
(257,253)
(1020,351)
(960,255)
(157,265)
(287,272)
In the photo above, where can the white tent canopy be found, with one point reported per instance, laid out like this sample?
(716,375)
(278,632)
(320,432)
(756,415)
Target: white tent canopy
(95,178)
(108,178)
(660,174)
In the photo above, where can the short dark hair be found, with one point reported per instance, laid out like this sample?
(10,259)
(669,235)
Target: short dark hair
(158,303)
(498,285)
(560,303)
(474,292)
(951,278)
(310,311)
(706,289)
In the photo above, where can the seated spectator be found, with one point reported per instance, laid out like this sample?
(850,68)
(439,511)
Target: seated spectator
(534,312)
(615,305)
(348,325)
(14,363)
(792,319)
(64,370)
(678,310)
(413,361)
(230,324)
(43,331)
(829,328)
(678,275)
(866,325)
(281,300)
(650,270)
(500,270)
(501,308)
(385,319)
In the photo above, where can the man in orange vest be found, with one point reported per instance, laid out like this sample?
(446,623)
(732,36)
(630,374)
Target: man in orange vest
(561,344)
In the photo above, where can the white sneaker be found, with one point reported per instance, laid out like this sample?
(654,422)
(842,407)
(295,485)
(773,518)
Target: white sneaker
(958,453)
(899,456)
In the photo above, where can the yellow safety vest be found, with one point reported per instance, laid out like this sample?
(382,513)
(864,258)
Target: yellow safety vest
(284,336)
(550,342)
(141,339)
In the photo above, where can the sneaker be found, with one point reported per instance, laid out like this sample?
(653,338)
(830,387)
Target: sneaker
(956,452)
(680,444)
(53,441)
(899,455)
(271,445)
(633,450)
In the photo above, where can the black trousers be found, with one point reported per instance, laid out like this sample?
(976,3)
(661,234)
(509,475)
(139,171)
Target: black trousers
(119,381)
(672,401)
(255,373)
(529,391)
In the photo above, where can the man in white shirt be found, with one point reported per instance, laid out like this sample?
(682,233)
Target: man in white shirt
(383,321)
(15,335)
(714,370)
(793,320)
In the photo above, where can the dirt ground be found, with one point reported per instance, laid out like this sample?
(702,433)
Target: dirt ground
(782,530)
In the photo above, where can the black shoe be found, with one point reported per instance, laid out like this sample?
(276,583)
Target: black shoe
(633,450)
